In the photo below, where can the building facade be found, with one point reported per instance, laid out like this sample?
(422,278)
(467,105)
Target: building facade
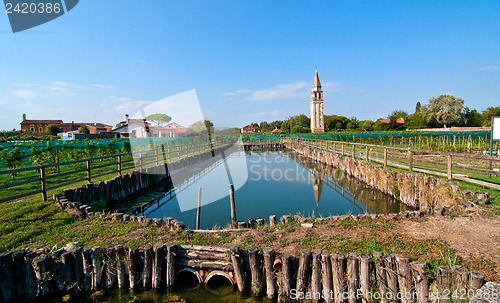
(36,127)
(317,122)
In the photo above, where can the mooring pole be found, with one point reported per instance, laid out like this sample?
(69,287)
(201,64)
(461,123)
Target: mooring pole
(199,209)
(233,207)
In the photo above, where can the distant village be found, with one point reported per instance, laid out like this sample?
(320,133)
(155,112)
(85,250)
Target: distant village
(136,128)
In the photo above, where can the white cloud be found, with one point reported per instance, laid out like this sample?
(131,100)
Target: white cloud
(103,86)
(130,105)
(489,68)
(25,93)
(271,113)
(299,89)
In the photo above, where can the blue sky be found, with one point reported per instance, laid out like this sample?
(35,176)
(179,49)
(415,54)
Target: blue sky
(249,61)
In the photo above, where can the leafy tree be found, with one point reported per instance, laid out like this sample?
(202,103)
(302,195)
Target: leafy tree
(418,107)
(415,121)
(367,125)
(351,126)
(300,129)
(397,114)
(84,130)
(472,118)
(490,112)
(53,129)
(335,122)
(264,126)
(276,124)
(354,121)
(446,109)
(380,126)
(257,128)
(202,127)
(159,119)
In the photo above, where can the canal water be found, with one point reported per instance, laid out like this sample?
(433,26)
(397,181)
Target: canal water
(279,182)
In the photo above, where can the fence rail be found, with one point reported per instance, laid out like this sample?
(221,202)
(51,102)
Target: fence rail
(447,164)
(122,162)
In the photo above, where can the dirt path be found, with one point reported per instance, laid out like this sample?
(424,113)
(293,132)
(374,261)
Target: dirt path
(476,238)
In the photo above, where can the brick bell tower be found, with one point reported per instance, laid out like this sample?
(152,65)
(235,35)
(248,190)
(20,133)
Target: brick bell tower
(317,123)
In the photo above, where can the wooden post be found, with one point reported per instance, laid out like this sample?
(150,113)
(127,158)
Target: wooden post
(121,266)
(157,158)
(476,280)
(111,280)
(272,220)
(199,209)
(460,277)
(134,266)
(352,277)
(97,268)
(43,275)
(367,154)
(410,160)
(285,278)
(380,276)
(43,187)
(342,148)
(57,158)
(170,269)
(239,273)
(158,265)
(316,275)
(450,167)
(254,258)
(339,267)
(385,157)
(119,165)
(7,283)
(392,279)
(87,268)
(303,271)
(148,265)
(89,176)
(326,277)
(364,276)
(404,279)
(421,281)
(443,283)
(233,206)
(353,151)
(270,277)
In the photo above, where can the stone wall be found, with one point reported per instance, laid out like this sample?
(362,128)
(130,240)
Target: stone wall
(412,189)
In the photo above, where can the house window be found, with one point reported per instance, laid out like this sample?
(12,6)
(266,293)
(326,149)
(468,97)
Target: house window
(32,124)
(40,129)
(32,129)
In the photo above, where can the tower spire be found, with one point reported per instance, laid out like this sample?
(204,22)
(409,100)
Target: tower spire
(317,123)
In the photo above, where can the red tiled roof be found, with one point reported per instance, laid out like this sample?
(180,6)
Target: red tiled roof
(42,122)
(399,120)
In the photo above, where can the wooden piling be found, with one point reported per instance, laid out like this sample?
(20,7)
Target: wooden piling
(7,285)
(30,286)
(272,220)
(233,206)
(364,276)
(41,266)
(443,283)
(421,281)
(158,265)
(87,269)
(270,277)
(170,266)
(460,278)
(303,271)
(198,212)
(134,266)
(285,281)
(380,276)
(352,277)
(339,270)
(111,279)
(97,267)
(316,274)
(404,279)
(121,267)
(476,280)
(67,263)
(239,272)
(254,259)
(148,265)
(326,277)
(392,279)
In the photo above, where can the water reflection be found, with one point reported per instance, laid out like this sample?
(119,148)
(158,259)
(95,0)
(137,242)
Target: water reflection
(279,183)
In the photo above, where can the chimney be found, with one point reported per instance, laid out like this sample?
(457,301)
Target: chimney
(126,118)
(24,117)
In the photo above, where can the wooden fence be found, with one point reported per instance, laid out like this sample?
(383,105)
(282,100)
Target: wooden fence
(447,164)
(121,163)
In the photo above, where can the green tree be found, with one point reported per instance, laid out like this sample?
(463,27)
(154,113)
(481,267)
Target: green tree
(264,126)
(418,107)
(300,129)
(159,119)
(472,118)
(415,121)
(446,109)
(53,129)
(83,129)
(367,125)
(490,112)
